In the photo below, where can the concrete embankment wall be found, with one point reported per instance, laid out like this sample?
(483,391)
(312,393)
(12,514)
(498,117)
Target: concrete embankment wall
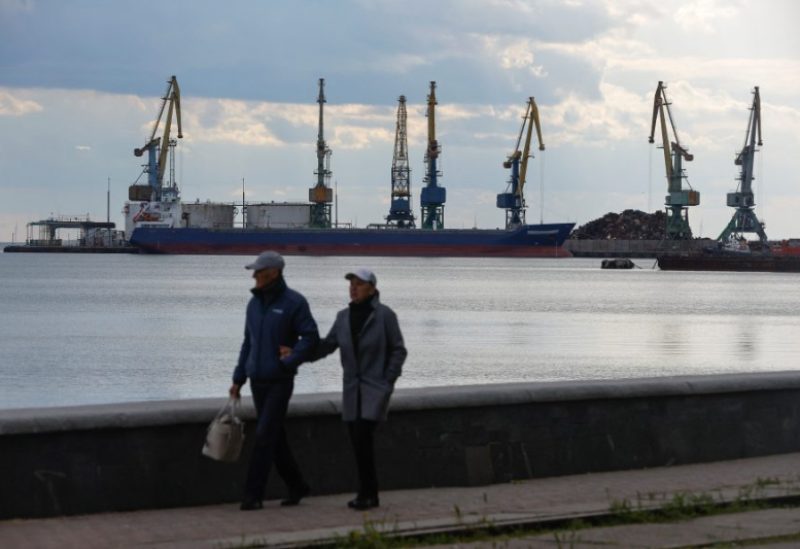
(87,459)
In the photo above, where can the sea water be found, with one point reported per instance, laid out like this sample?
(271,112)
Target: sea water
(81,329)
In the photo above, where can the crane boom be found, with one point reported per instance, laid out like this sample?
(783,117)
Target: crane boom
(532,115)
(513,200)
(432,197)
(321,145)
(158,147)
(433,146)
(661,104)
(677,198)
(744,219)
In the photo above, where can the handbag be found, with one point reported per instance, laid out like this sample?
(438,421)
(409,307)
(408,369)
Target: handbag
(225,434)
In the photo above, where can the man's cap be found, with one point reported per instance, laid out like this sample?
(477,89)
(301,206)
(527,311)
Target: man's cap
(267,260)
(362,273)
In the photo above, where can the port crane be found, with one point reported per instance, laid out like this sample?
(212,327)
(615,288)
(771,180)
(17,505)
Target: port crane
(432,196)
(321,194)
(400,214)
(744,219)
(157,149)
(678,200)
(513,200)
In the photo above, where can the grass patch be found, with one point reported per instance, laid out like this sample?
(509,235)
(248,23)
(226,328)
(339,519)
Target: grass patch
(644,508)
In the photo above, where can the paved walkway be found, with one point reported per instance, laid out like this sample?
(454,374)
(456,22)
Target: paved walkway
(410,512)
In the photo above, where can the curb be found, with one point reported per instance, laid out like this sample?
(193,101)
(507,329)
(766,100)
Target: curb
(503,523)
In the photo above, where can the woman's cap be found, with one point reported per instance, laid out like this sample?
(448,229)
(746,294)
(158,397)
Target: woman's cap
(362,273)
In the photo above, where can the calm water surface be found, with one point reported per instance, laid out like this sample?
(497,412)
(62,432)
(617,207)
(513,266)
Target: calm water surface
(80,329)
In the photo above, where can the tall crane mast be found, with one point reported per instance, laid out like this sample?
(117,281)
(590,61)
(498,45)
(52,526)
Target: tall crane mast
(400,214)
(158,147)
(432,197)
(678,199)
(513,200)
(744,219)
(321,194)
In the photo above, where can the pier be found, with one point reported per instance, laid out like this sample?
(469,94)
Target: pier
(82,236)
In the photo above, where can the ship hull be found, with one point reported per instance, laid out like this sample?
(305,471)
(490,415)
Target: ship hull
(527,241)
(24,248)
(735,262)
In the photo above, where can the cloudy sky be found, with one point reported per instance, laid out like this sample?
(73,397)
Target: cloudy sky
(81,80)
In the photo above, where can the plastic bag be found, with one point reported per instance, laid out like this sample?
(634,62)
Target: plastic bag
(225,435)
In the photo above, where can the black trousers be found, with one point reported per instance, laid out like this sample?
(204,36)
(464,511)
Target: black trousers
(362,438)
(271,401)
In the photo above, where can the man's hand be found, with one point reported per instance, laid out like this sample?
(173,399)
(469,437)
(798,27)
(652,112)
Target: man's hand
(235,391)
(284,351)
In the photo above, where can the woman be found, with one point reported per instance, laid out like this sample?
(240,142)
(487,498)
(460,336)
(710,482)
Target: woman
(372,352)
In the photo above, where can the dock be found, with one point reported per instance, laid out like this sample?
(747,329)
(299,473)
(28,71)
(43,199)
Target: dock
(47,236)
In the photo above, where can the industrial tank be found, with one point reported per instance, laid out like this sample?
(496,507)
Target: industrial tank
(208,215)
(278,216)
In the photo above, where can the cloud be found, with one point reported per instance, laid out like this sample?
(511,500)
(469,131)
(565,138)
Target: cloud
(240,122)
(14,106)
(513,54)
(362,113)
(605,51)
(617,116)
(634,13)
(355,137)
(703,15)
(280,124)
(83,148)
(781,76)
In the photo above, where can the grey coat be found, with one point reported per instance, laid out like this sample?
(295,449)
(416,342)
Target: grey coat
(372,372)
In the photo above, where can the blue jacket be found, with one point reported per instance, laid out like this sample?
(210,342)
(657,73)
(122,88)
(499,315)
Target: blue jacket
(283,318)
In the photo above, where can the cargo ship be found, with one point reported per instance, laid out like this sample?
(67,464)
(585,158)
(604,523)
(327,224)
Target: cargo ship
(544,240)
(173,227)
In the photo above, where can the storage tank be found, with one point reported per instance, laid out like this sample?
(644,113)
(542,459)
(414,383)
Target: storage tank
(284,215)
(208,215)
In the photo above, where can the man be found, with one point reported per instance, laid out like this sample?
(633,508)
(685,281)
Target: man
(372,352)
(276,316)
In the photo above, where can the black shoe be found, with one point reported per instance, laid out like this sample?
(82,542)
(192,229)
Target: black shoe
(362,504)
(296,495)
(251,505)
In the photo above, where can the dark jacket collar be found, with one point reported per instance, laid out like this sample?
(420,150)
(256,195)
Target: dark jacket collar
(269,293)
(370,303)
